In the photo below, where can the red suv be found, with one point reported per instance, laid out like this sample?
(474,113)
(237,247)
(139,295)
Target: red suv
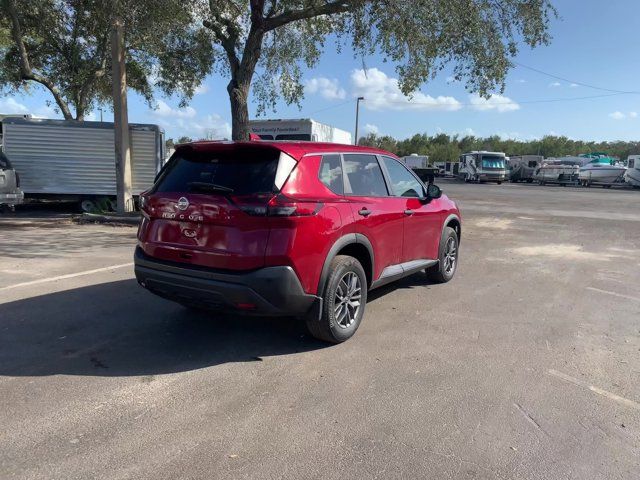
(290,228)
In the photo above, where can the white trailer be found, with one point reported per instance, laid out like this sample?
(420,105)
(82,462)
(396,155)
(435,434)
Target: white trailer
(416,161)
(304,129)
(632,176)
(482,166)
(61,159)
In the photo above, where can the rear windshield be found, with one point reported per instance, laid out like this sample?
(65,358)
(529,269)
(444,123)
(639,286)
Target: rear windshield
(242,172)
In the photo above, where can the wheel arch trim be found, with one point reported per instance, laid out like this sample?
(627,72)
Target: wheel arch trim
(447,221)
(339,244)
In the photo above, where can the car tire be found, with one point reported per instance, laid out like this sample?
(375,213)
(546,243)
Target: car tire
(449,246)
(339,320)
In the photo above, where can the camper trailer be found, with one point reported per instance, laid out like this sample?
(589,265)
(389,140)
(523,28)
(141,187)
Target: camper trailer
(70,160)
(632,176)
(304,129)
(521,167)
(482,166)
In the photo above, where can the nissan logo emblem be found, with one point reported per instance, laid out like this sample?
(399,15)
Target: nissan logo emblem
(182,204)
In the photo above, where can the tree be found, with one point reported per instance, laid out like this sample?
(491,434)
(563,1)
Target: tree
(63,45)
(272,38)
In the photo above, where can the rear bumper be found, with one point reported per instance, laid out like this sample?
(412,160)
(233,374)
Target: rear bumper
(13,198)
(266,291)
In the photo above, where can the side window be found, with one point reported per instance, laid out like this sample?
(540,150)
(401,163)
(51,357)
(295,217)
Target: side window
(403,183)
(331,173)
(364,176)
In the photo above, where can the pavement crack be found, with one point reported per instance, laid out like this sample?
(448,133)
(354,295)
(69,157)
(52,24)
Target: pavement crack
(529,418)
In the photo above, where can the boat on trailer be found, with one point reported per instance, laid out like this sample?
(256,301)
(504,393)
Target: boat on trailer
(600,169)
(559,170)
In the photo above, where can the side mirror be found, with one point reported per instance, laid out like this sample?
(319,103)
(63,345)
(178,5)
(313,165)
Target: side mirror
(433,191)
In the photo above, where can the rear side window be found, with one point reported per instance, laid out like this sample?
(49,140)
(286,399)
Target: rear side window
(331,173)
(364,176)
(242,172)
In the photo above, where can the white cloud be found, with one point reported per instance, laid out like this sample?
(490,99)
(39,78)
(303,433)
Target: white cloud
(328,88)
(521,80)
(201,89)
(574,85)
(555,84)
(179,122)
(496,102)
(382,92)
(618,115)
(164,110)
(11,106)
(370,128)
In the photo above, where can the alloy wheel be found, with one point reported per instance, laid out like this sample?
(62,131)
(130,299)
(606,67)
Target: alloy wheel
(450,256)
(347,300)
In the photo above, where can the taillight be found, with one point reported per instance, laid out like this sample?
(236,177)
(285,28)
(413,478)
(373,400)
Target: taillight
(278,206)
(281,206)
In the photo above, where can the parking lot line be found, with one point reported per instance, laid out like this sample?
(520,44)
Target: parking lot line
(594,389)
(615,294)
(64,277)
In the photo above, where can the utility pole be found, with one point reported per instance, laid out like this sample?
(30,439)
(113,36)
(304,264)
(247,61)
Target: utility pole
(120,114)
(357,118)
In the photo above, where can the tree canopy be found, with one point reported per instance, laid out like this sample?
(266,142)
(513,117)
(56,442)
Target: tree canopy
(64,46)
(272,39)
(447,148)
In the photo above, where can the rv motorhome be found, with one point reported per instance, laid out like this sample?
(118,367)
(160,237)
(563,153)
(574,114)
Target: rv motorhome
(481,166)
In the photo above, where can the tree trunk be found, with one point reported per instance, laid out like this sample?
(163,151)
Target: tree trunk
(121,119)
(238,96)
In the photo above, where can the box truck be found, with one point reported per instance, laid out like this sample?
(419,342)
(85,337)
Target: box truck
(305,129)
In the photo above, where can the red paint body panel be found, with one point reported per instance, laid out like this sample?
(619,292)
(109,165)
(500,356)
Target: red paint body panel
(215,231)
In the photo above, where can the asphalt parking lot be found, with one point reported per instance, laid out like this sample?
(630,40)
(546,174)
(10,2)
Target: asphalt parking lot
(526,366)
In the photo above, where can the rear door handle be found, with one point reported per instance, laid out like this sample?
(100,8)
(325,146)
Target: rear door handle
(408,212)
(365,212)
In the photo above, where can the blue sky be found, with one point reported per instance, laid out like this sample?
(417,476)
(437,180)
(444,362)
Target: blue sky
(593,42)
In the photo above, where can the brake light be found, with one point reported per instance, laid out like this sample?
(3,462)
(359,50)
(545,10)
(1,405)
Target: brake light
(281,206)
(278,206)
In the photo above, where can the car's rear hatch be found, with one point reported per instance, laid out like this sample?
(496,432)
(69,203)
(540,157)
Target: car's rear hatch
(209,205)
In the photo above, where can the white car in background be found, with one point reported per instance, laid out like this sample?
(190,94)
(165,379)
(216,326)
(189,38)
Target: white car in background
(10,193)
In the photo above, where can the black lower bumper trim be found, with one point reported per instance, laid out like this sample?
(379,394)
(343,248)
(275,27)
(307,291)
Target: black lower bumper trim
(266,291)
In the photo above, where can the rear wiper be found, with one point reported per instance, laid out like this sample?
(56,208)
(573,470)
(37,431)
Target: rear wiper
(208,187)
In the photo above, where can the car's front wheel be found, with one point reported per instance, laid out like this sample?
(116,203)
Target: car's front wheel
(447,257)
(343,302)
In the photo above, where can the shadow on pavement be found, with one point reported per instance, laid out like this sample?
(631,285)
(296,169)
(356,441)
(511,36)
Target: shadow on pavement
(119,329)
